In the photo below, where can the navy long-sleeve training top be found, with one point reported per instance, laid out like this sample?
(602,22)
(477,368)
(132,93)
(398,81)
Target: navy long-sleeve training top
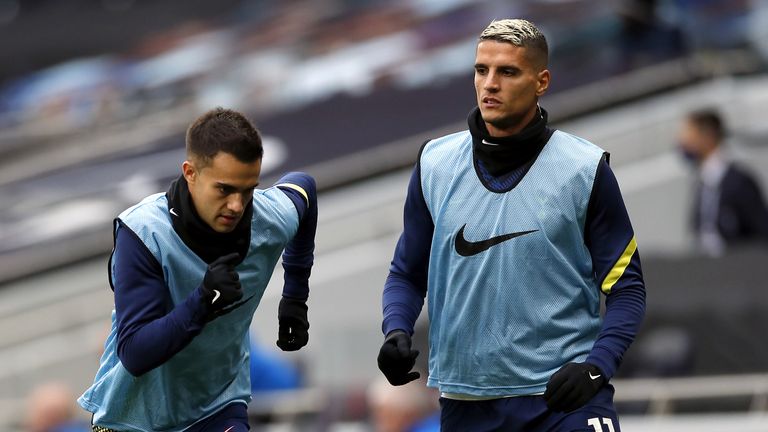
(150,330)
(608,236)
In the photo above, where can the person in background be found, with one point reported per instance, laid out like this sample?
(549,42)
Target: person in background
(51,408)
(408,408)
(729,208)
(188,270)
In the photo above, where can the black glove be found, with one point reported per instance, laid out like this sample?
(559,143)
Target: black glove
(396,359)
(573,386)
(221,284)
(294,327)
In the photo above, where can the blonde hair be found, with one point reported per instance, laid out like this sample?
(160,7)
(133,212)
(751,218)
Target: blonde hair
(519,32)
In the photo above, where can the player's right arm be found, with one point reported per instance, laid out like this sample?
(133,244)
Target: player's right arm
(406,287)
(150,330)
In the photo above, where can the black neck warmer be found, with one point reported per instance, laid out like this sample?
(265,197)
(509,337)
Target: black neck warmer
(505,154)
(203,240)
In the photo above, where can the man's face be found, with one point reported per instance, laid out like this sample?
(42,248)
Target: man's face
(221,190)
(508,83)
(693,142)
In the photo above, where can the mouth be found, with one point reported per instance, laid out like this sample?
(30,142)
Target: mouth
(228,219)
(490,102)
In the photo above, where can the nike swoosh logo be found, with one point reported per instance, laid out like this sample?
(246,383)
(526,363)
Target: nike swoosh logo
(216,295)
(173,212)
(229,428)
(233,307)
(594,377)
(467,248)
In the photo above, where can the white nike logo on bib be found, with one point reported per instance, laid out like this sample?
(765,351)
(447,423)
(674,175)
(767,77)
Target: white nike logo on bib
(217,294)
(594,377)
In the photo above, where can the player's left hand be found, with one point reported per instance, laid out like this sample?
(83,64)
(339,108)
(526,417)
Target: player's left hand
(573,386)
(293,332)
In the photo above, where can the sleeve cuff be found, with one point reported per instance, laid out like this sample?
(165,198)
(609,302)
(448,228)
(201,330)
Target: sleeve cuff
(603,359)
(396,323)
(199,309)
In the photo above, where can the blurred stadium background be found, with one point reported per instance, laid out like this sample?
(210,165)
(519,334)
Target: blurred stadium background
(95,96)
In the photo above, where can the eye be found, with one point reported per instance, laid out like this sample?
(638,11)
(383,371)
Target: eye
(509,72)
(481,70)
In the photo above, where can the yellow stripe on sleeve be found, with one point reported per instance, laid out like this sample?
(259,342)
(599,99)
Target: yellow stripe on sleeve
(618,269)
(297,188)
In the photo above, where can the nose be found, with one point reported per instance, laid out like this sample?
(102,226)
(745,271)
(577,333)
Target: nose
(491,83)
(235,203)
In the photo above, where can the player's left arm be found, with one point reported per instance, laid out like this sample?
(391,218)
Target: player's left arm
(609,236)
(616,263)
(298,259)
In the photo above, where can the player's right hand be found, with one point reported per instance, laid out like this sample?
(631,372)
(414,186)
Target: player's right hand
(221,284)
(396,358)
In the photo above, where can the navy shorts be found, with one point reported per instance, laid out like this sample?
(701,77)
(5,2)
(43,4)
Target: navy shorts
(528,414)
(233,418)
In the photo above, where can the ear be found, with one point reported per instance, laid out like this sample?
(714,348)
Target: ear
(189,171)
(542,83)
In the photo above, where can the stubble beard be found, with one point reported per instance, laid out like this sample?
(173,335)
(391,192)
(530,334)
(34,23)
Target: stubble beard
(505,122)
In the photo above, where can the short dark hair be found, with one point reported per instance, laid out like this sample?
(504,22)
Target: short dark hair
(709,121)
(223,130)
